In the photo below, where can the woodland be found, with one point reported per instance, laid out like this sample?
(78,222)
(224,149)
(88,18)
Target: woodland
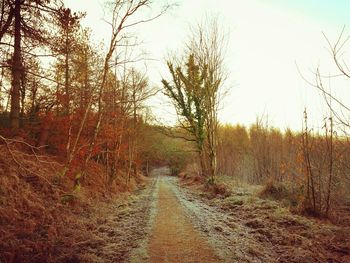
(77,137)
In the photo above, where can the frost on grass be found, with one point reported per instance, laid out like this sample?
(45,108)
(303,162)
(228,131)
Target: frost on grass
(245,228)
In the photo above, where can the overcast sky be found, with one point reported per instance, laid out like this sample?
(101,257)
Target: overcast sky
(267,39)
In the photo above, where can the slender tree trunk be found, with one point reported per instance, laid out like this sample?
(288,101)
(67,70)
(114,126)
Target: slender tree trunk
(107,165)
(67,94)
(310,177)
(4,25)
(130,161)
(134,128)
(66,85)
(44,133)
(57,97)
(115,136)
(330,171)
(202,159)
(212,139)
(73,151)
(16,70)
(2,13)
(100,113)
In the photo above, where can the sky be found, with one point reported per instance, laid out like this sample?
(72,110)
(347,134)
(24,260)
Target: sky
(272,46)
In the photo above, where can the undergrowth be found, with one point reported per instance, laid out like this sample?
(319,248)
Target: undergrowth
(36,211)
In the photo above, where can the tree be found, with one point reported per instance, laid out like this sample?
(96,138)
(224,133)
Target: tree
(233,149)
(6,17)
(65,43)
(139,90)
(336,121)
(124,15)
(187,94)
(22,22)
(195,91)
(338,106)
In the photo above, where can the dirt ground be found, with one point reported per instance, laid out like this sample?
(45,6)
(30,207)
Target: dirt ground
(173,237)
(169,222)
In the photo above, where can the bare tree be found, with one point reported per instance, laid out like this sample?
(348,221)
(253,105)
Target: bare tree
(338,106)
(195,90)
(125,14)
(338,120)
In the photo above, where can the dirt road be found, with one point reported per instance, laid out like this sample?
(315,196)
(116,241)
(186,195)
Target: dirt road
(165,222)
(174,238)
(187,227)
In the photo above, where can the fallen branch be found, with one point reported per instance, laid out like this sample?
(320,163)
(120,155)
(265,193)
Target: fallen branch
(15,153)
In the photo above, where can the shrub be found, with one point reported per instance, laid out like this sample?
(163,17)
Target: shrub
(274,190)
(218,189)
(289,195)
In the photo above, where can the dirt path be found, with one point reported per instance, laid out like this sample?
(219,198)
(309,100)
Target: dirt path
(174,239)
(167,222)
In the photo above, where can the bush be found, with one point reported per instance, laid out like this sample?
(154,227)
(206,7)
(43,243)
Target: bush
(218,190)
(277,191)
(290,196)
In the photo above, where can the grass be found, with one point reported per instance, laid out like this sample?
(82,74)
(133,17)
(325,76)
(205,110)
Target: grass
(234,200)
(262,216)
(286,195)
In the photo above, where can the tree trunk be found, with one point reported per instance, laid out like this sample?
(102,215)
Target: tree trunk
(16,70)
(44,133)
(330,167)
(66,77)
(99,115)
(202,161)
(134,128)
(67,95)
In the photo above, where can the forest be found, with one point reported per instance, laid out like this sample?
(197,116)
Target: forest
(88,173)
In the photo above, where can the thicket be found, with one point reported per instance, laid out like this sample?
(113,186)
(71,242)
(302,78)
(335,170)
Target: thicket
(309,169)
(66,97)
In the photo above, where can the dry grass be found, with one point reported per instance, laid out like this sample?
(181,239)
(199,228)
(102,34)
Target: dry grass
(36,218)
(269,232)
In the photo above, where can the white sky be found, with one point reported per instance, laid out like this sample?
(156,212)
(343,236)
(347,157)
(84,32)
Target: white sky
(267,38)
